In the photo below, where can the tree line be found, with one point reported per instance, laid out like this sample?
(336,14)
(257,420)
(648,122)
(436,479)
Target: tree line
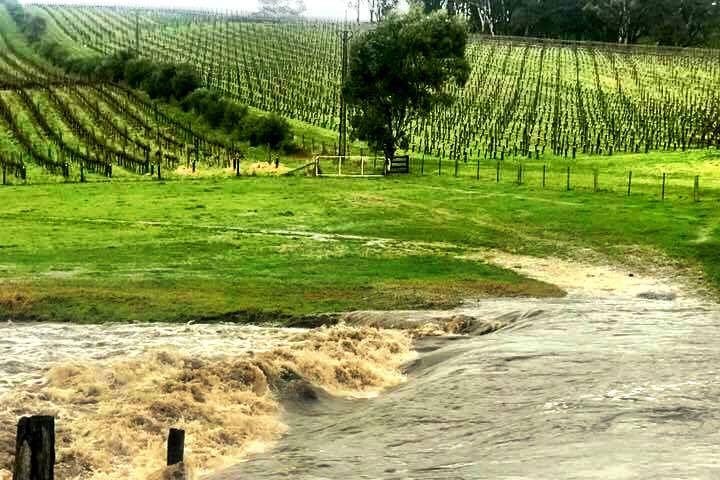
(682,23)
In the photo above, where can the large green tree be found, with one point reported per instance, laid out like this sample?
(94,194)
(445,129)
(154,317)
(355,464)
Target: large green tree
(399,71)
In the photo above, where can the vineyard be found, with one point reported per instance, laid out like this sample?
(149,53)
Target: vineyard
(54,127)
(525,98)
(531,109)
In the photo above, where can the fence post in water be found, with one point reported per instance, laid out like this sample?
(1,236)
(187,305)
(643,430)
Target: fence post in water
(696,189)
(662,191)
(568,179)
(629,182)
(35,449)
(175,446)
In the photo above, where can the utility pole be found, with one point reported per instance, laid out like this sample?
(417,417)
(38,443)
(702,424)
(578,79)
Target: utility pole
(342,141)
(137,32)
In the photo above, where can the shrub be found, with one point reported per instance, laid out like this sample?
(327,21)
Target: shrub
(271,130)
(113,67)
(159,83)
(185,81)
(138,70)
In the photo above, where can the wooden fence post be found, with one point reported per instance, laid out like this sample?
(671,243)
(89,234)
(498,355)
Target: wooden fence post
(596,173)
(35,449)
(662,192)
(696,189)
(477,174)
(568,179)
(4,174)
(497,172)
(175,446)
(629,182)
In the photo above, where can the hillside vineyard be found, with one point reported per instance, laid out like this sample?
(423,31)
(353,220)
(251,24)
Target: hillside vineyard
(525,97)
(74,129)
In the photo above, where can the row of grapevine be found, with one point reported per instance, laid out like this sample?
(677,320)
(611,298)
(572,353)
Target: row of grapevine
(70,127)
(525,97)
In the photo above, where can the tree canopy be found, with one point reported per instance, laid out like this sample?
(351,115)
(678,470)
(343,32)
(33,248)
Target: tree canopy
(664,22)
(399,71)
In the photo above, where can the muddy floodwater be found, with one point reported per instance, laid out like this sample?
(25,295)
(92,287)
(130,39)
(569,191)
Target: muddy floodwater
(617,385)
(613,388)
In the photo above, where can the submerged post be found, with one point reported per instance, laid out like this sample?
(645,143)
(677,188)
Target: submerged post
(175,446)
(35,449)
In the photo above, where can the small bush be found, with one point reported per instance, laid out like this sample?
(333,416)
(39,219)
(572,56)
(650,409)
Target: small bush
(272,130)
(185,81)
(138,70)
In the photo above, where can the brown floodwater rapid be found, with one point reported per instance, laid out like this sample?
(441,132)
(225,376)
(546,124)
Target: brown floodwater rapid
(576,388)
(612,386)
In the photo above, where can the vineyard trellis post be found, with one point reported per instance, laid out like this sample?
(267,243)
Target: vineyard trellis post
(629,183)
(696,189)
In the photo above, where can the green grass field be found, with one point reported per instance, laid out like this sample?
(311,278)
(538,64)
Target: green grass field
(282,248)
(207,246)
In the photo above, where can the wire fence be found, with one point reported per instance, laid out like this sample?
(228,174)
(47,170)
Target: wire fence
(663,184)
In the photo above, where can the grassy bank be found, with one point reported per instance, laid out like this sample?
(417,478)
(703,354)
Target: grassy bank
(266,247)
